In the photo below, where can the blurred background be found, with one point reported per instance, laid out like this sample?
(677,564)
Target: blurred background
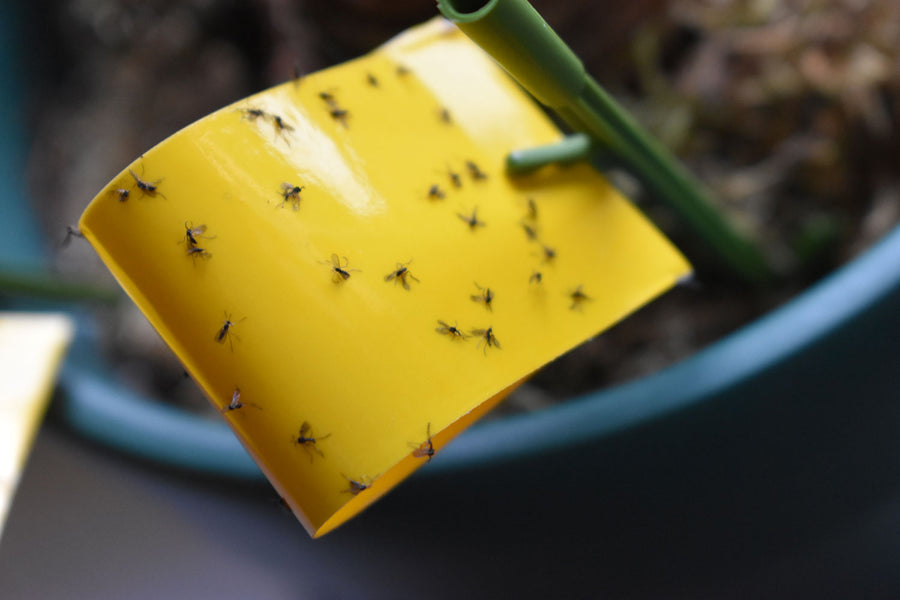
(788,109)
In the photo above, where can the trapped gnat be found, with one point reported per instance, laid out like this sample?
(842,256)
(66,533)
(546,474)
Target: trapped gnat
(426,448)
(452,331)
(122,194)
(578,297)
(236,402)
(251,114)
(484,295)
(436,193)
(191,234)
(149,188)
(487,338)
(308,441)
(530,232)
(402,275)
(371,80)
(340,115)
(475,171)
(71,232)
(225,331)
(198,252)
(472,221)
(536,277)
(354,487)
(290,193)
(340,273)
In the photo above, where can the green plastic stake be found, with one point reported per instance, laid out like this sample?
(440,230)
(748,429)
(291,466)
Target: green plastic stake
(572,148)
(519,39)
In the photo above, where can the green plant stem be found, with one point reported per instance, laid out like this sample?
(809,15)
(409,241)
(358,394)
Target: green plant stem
(516,36)
(44,286)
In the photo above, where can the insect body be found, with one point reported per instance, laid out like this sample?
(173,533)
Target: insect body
(472,221)
(532,209)
(578,298)
(253,113)
(148,187)
(445,116)
(236,402)
(197,252)
(436,193)
(530,231)
(354,487)
(475,171)
(122,193)
(70,233)
(291,193)
(191,234)
(340,115)
(485,295)
(426,449)
(372,80)
(536,277)
(340,273)
(549,253)
(402,275)
(455,179)
(306,439)
(487,338)
(452,331)
(225,331)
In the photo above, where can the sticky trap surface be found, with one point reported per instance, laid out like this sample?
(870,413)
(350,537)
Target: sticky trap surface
(344,267)
(31,347)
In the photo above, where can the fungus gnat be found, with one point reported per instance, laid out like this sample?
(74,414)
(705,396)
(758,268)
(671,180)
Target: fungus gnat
(455,179)
(371,80)
(354,487)
(451,331)
(148,187)
(445,116)
(237,403)
(532,210)
(70,233)
(306,439)
(198,252)
(436,193)
(401,274)
(485,295)
(475,171)
(191,234)
(328,98)
(340,115)
(253,113)
(291,193)
(340,273)
(578,298)
(487,338)
(122,193)
(549,253)
(530,232)
(280,124)
(536,277)
(426,448)
(472,221)
(225,331)
(403,70)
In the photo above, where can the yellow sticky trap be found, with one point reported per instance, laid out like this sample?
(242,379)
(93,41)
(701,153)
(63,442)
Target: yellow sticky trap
(319,256)
(31,347)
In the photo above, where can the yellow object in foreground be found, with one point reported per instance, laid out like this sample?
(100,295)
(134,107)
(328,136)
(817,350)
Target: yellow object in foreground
(31,347)
(344,267)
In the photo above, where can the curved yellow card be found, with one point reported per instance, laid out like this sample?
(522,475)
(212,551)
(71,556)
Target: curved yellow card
(344,267)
